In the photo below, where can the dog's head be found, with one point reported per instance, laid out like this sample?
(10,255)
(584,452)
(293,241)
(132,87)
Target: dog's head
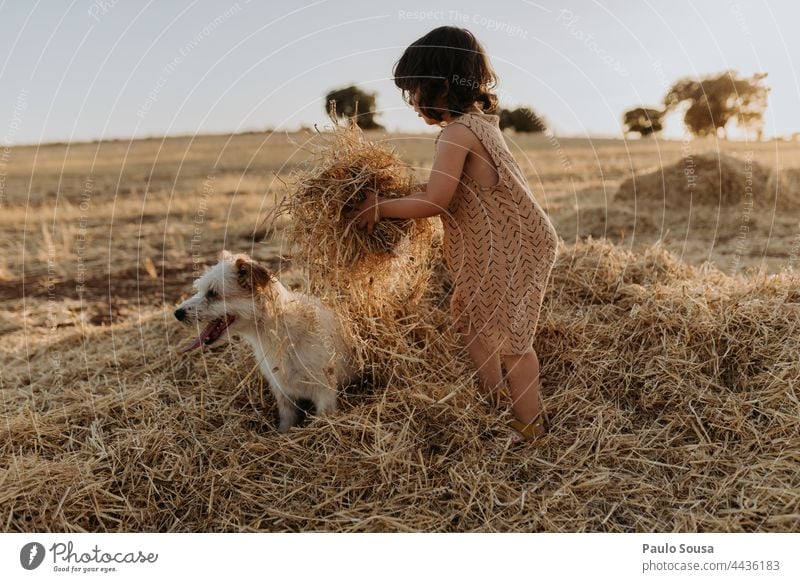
(228,295)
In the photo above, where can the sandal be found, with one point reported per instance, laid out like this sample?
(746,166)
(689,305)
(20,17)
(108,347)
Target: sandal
(528,431)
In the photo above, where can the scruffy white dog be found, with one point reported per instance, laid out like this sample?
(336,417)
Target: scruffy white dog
(298,342)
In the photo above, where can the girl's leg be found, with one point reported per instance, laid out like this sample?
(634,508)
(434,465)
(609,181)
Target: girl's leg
(487,363)
(523,381)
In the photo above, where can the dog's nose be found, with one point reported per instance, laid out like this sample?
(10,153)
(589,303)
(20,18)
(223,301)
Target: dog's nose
(180,313)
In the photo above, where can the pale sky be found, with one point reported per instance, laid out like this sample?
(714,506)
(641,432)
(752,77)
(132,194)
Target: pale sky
(108,69)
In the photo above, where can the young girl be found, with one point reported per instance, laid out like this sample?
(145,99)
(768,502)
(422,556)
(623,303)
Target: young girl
(499,245)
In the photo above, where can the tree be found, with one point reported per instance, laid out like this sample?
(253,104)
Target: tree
(711,102)
(522,119)
(352,101)
(506,119)
(643,120)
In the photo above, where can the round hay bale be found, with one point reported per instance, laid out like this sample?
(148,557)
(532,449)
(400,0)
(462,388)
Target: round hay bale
(711,179)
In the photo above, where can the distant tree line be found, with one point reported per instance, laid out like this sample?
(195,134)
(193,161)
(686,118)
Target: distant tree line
(352,102)
(709,105)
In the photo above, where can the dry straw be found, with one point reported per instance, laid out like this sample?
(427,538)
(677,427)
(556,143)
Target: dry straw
(343,165)
(708,179)
(673,394)
(783,186)
(379,283)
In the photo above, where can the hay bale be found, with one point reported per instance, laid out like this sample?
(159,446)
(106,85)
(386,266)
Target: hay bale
(342,165)
(710,179)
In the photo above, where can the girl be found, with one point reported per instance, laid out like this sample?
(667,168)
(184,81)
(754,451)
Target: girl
(499,245)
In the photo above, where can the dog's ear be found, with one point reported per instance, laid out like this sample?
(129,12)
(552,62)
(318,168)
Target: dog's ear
(251,275)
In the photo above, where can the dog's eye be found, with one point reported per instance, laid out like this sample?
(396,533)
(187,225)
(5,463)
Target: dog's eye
(211,295)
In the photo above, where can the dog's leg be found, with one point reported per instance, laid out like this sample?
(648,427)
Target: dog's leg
(287,411)
(325,401)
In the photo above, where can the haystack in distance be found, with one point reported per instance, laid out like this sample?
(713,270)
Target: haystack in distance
(709,179)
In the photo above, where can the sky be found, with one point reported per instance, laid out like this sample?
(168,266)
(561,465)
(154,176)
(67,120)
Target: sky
(115,69)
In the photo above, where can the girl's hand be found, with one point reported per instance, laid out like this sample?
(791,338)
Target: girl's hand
(366,213)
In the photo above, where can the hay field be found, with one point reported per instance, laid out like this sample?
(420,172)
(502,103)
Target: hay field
(670,371)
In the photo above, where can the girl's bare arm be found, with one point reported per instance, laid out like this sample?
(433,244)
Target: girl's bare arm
(455,143)
(451,153)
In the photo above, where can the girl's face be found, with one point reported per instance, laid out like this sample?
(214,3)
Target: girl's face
(414,101)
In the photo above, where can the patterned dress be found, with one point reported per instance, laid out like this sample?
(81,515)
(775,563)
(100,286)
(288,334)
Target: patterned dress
(499,247)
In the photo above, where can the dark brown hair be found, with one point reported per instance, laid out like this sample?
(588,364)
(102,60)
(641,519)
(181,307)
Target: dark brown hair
(449,64)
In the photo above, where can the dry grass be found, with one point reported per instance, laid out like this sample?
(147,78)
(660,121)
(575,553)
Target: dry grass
(334,180)
(710,178)
(379,282)
(783,185)
(673,395)
(672,389)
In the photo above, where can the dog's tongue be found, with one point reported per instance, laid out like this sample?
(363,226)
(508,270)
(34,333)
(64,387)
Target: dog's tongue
(201,338)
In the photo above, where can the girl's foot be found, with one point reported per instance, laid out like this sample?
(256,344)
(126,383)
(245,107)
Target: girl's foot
(534,432)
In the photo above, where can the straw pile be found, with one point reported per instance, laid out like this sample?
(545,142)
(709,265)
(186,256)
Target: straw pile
(783,188)
(378,283)
(673,394)
(343,163)
(710,179)
(400,322)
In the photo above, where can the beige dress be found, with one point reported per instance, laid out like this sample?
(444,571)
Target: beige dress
(499,247)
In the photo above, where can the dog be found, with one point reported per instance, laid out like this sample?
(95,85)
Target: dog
(299,343)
